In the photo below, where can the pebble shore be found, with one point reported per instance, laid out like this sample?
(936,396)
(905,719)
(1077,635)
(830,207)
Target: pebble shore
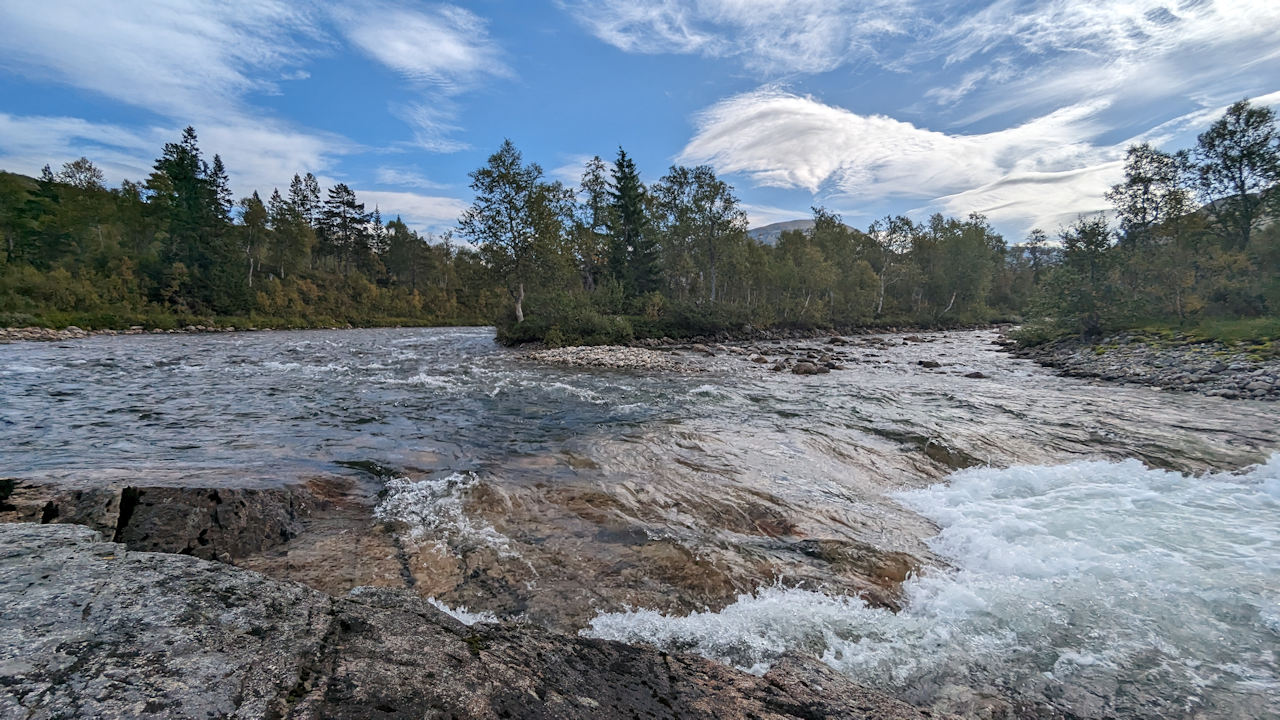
(1207,368)
(41,334)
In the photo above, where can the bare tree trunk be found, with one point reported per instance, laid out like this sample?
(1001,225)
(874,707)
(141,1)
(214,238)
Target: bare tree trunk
(950,304)
(520,303)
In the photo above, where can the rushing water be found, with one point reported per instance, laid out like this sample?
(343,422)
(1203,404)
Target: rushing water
(1100,556)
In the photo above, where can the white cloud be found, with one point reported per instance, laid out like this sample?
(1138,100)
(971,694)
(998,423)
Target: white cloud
(407,178)
(767,36)
(785,140)
(192,60)
(427,213)
(432,124)
(570,172)
(201,63)
(1041,173)
(1053,49)
(761,215)
(447,46)
(444,50)
(27,143)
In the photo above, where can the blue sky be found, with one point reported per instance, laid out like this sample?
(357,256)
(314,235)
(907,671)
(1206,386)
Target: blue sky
(1019,110)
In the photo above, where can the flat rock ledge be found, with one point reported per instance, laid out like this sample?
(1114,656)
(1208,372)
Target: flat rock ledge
(1206,368)
(613,357)
(95,630)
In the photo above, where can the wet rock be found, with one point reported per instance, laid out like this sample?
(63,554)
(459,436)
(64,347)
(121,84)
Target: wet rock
(700,348)
(112,633)
(808,368)
(976,375)
(205,522)
(930,364)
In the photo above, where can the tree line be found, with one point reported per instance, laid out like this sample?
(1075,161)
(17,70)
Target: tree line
(1192,237)
(614,258)
(177,249)
(1195,238)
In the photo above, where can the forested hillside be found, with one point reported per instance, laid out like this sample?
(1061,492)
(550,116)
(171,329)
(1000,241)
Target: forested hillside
(1192,242)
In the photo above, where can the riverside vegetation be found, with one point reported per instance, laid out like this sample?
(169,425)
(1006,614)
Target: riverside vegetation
(1192,249)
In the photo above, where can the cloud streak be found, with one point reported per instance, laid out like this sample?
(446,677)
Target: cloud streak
(768,37)
(1042,172)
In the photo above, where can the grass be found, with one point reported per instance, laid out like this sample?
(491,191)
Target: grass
(1257,337)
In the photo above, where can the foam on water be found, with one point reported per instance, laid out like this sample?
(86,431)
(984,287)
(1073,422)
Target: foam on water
(1093,589)
(432,511)
(462,614)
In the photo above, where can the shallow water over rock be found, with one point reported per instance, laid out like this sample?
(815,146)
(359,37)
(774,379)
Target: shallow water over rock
(557,494)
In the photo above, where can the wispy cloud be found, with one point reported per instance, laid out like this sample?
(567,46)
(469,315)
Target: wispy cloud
(433,123)
(1038,173)
(446,46)
(781,139)
(766,36)
(443,50)
(407,178)
(194,59)
(427,213)
(205,62)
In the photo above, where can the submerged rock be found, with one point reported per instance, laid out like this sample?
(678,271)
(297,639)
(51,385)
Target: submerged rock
(106,632)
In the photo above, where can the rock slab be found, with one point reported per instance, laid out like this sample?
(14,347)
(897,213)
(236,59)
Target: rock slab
(95,630)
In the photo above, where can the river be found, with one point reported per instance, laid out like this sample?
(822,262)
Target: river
(1020,543)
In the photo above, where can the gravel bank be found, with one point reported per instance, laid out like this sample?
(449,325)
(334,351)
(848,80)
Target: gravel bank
(1208,368)
(614,357)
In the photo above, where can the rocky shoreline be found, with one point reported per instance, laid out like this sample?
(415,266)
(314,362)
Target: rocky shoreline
(1208,368)
(71,332)
(99,630)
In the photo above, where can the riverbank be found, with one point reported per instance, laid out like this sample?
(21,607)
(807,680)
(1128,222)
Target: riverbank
(1206,367)
(72,332)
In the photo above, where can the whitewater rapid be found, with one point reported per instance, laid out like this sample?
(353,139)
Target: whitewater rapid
(1091,589)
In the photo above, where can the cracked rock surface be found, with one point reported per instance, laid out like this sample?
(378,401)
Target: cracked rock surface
(95,630)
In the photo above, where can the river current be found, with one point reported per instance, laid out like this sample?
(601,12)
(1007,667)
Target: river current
(1069,548)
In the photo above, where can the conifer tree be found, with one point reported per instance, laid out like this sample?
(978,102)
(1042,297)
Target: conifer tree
(633,251)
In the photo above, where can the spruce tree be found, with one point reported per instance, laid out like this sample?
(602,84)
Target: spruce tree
(633,250)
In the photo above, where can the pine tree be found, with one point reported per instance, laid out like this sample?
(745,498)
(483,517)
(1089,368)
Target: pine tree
(344,226)
(220,185)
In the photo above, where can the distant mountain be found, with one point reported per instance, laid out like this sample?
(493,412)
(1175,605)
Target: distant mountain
(769,234)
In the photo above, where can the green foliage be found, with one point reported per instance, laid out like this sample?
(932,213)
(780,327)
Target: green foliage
(170,254)
(675,260)
(1170,267)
